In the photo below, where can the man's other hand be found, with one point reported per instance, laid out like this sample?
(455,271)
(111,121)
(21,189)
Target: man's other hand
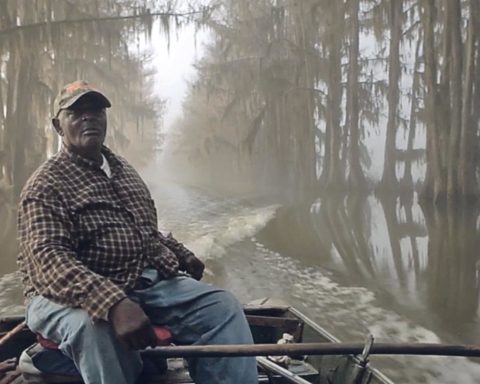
(194,266)
(131,325)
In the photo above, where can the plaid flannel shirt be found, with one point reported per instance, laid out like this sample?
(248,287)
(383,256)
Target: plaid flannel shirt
(84,238)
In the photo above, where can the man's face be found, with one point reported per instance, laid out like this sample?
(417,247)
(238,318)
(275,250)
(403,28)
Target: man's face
(83,127)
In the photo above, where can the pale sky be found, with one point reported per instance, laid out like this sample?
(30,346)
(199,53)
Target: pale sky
(175,67)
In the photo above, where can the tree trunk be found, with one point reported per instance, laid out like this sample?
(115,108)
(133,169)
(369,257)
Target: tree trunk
(356,178)
(389,178)
(452,9)
(466,164)
(434,180)
(407,176)
(333,173)
(305,155)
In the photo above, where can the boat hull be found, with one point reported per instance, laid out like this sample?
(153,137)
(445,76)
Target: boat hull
(268,323)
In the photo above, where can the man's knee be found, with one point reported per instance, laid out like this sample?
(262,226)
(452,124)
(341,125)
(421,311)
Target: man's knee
(80,324)
(52,320)
(81,329)
(227,321)
(82,334)
(233,304)
(61,324)
(227,304)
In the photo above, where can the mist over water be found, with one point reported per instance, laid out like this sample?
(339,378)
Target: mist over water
(253,248)
(11,297)
(238,239)
(295,167)
(208,225)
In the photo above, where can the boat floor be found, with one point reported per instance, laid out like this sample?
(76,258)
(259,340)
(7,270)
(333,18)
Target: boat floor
(268,324)
(176,374)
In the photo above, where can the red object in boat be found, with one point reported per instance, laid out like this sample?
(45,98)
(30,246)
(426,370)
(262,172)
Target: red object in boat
(45,343)
(164,337)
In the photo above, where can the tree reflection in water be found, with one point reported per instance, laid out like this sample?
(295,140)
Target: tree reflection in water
(272,107)
(7,230)
(418,260)
(451,275)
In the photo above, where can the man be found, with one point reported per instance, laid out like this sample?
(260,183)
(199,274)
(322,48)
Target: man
(96,270)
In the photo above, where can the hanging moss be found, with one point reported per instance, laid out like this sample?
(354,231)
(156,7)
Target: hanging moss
(304,64)
(58,42)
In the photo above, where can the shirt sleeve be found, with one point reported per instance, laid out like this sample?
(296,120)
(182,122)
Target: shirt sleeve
(177,248)
(47,250)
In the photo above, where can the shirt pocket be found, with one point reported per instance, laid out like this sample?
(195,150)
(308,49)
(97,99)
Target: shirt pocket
(106,231)
(143,208)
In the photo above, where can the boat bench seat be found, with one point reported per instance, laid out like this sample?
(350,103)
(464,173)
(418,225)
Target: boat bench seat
(43,362)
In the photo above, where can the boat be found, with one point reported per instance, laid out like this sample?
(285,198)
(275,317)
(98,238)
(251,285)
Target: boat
(270,325)
(275,328)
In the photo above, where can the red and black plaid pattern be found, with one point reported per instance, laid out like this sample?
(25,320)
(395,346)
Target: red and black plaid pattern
(84,238)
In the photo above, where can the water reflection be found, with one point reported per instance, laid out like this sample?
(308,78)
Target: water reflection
(7,231)
(452,273)
(421,261)
(282,103)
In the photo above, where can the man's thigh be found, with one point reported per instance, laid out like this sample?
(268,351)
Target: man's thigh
(65,325)
(172,292)
(194,311)
(93,346)
(52,320)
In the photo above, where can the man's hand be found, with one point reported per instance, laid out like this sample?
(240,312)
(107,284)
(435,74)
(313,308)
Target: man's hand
(193,265)
(131,325)
(188,261)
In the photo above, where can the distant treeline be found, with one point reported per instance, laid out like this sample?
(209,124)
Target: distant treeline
(292,94)
(45,44)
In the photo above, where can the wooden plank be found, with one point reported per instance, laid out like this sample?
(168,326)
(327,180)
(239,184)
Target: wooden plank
(9,335)
(272,321)
(289,325)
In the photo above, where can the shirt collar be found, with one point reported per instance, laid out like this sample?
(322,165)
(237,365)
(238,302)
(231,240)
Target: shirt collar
(83,161)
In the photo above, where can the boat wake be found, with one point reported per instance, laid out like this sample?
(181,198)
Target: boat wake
(222,230)
(11,296)
(208,225)
(348,312)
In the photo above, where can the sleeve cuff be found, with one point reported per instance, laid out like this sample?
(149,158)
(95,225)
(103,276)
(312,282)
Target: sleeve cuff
(101,299)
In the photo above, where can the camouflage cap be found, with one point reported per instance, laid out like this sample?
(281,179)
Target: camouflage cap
(70,93)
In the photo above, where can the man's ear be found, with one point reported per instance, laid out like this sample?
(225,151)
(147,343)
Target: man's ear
(56,125)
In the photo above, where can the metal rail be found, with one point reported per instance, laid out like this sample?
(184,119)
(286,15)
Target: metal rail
(315,349)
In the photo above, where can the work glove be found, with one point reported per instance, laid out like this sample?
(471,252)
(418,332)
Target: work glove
(188,262)
(192,265)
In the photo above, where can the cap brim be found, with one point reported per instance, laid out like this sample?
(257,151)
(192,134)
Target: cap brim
(105,103)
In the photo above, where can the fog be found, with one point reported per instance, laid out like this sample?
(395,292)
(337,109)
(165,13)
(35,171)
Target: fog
(320,152)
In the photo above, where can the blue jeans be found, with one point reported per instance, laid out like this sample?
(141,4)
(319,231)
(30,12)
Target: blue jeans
(195,313)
